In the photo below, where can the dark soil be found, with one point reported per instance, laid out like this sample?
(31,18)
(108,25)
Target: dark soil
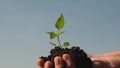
(78,56)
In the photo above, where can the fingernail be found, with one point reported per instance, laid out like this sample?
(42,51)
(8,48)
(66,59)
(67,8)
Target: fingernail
(58,60)
(66,57)
(48,64)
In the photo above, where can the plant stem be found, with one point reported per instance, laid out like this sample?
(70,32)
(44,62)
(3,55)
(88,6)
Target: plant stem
(59,39)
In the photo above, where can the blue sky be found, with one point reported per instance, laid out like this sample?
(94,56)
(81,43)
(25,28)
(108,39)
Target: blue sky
(94,25)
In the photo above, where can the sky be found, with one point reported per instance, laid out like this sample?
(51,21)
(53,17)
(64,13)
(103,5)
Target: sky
(94,25)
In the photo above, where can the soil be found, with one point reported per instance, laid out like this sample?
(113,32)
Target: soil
(78,56)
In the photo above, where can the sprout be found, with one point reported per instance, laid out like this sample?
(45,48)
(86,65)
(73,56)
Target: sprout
(59,25)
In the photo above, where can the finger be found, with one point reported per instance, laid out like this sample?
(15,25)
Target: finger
(58,62)
(48,64)
(40,63)
(69,63)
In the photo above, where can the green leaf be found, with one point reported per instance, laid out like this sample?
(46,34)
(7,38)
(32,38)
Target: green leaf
(66,44)
(61,32)
(60,22)
(52,44)
(52,35)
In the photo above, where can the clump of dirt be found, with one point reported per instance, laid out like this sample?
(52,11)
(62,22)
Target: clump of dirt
(78,56)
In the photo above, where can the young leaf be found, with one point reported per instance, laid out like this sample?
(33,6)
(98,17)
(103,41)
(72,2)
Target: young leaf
(52,35)
(52,44)
(66,44)
(60,22)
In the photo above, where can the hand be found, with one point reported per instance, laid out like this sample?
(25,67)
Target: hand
(108,60)
(100,62)
(58,62)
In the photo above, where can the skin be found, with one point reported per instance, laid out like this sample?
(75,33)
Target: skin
(58,62)
(109,60)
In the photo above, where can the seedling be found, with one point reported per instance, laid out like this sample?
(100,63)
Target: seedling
(79,57)
(58,25)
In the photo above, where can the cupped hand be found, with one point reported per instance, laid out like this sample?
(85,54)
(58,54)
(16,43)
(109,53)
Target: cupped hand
(60,62)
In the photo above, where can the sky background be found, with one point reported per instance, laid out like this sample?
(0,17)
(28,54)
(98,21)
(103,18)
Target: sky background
(94,25)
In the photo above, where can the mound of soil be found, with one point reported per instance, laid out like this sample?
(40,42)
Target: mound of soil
(78,56)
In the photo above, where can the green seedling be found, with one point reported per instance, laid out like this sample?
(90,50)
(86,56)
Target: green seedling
(58,25)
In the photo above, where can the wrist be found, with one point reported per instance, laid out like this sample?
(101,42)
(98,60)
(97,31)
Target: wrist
(102,62)
(110,64)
